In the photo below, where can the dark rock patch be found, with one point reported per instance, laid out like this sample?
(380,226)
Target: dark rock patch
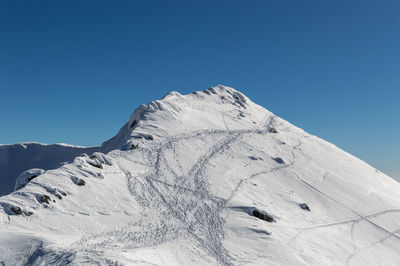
(278,160)
(212,90)
(206,92)
(58,195)
(304,206)
(16,210)
(78,181)
(255,212)
(44,199)
(133,123)
(53,191)
(134,146)
(32,177)
(254,158)
(263,216)
(273,130)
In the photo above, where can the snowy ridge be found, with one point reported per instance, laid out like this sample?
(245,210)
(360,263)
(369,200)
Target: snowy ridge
(203,179)
(17,158)
(186,113)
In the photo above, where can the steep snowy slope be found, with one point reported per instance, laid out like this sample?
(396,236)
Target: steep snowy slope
(17,158)
(203,179)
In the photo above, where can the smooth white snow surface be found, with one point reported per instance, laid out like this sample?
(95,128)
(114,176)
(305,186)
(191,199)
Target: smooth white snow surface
(180,188)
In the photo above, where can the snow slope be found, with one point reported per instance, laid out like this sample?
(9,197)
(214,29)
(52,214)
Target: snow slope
(182,189)
(17,158)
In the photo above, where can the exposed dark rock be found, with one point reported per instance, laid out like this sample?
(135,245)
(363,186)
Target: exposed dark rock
(256,158)
(212,90)
(16,210)
(273,130)
(32,177)
(81,182)
(134,146)
(78,181)
(44,198)
(304,206)
(58,196)
(278,160)
(133,123)
(263,216)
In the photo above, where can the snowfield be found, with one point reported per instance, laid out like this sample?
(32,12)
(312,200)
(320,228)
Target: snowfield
(208,178)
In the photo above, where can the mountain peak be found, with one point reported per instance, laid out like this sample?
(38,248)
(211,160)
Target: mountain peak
(207,178)
(216,108)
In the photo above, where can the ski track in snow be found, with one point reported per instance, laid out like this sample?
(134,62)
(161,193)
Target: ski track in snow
(361,217)
(190,211)
(175,201)
(388,234)
(193,212)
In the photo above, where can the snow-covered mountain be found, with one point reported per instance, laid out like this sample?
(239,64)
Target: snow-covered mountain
(203,179)
(17,158)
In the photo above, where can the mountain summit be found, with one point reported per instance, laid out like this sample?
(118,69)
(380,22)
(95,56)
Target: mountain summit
(203,179)
(217,108)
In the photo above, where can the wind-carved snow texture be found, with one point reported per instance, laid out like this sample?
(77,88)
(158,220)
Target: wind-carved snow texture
(184,187)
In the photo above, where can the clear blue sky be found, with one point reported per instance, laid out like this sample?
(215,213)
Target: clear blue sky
(73,71)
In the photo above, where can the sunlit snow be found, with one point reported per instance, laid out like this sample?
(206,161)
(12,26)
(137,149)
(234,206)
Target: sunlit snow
(203,179)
